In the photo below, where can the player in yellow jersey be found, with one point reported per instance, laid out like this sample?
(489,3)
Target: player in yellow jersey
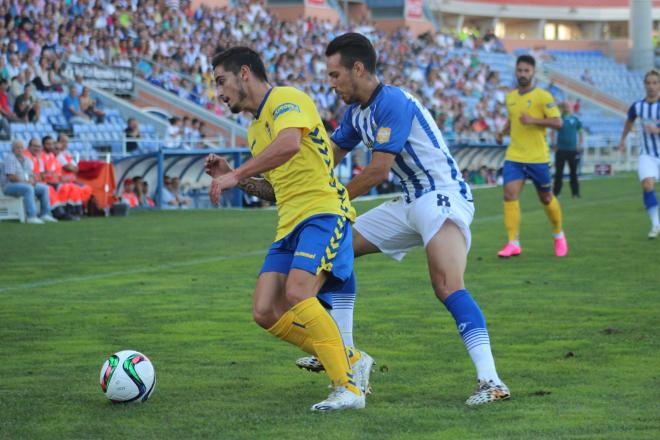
(531,111)
(313,245)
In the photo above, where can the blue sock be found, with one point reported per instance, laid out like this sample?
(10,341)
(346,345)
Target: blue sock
(471,325)
(651,205)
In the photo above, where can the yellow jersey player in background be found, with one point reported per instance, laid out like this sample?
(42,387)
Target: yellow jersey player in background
(313,244)
(531,111)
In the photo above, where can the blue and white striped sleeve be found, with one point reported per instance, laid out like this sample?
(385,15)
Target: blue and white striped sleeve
(345,136)
(394,118)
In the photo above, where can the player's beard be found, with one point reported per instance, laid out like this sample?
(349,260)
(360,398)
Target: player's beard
(350,98)
(524,82)
(242,94)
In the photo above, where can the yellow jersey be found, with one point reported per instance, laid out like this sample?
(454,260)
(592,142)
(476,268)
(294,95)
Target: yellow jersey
(306,184)
(528,143)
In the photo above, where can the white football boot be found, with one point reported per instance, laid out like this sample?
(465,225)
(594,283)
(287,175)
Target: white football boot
(362,370)
(340,398)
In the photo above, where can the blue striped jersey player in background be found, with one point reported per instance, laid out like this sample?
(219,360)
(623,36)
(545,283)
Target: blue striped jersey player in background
(436,208)
(647,111)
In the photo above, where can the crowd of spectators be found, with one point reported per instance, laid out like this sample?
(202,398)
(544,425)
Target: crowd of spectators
(293,53)
(172,44)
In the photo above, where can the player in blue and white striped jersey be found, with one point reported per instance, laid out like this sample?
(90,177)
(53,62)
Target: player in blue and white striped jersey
(436,208)
(647,111)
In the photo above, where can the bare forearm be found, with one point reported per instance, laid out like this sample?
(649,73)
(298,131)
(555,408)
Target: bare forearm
(258,187)
(362,183)
(281,150)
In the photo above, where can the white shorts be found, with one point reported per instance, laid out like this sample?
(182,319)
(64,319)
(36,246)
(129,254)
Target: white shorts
(395,227)
(648,166)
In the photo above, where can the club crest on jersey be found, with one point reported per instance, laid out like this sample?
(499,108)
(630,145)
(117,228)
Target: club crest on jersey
(383,135)
(283,108)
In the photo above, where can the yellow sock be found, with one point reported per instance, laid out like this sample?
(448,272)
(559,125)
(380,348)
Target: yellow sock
(512,219)
(553,211)
(286,329)
(353,355)
(329,348)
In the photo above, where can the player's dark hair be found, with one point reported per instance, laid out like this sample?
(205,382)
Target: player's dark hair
(353,47)
(236,57)
(652,72)
(526,59)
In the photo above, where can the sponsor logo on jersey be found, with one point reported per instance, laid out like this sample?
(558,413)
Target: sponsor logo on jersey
(304,254)
(283,108)
(383,135)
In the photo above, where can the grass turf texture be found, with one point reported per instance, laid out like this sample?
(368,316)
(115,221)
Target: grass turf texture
(576,339)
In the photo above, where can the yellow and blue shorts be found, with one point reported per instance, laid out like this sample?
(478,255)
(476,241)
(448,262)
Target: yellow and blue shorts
(319,243)
(539,173)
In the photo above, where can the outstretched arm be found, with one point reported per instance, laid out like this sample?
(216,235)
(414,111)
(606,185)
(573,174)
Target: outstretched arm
(373,174)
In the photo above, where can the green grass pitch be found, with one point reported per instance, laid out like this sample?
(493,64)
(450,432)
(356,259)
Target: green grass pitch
(576,339)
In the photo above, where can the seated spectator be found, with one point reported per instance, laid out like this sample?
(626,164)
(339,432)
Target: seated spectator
(146,201)
(70,171)
(128,195)
(174,133)
(586,77)
(175,188)
(6,114)
(89,106)
(71,108)
(187,131)
(44,77)
(26,106)
(17,85)
(18,181)
(167,198)
(132,132)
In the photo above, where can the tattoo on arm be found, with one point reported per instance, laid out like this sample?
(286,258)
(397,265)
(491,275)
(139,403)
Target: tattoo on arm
(258,187)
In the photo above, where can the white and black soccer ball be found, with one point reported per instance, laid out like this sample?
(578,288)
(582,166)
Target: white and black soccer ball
(128,376)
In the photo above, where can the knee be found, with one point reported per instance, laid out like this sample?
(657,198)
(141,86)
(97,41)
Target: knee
(264,318)
(295,295)
(647,185)
(546,198)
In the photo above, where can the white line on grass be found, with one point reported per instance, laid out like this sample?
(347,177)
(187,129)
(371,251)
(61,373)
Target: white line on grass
(157,268)
(161,267)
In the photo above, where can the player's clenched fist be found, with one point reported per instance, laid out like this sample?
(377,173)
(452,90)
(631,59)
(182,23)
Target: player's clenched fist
(215,165)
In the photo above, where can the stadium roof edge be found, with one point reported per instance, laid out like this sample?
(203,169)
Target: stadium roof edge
(553,10)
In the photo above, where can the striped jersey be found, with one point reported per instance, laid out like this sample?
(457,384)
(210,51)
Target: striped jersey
(647,113)
(393,121)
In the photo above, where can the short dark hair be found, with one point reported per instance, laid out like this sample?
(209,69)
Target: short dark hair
(652,72)
(236,57)
(526,59)
(353,47)
(46,138)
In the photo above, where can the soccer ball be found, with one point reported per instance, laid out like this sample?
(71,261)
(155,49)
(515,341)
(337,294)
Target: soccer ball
(128,376)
